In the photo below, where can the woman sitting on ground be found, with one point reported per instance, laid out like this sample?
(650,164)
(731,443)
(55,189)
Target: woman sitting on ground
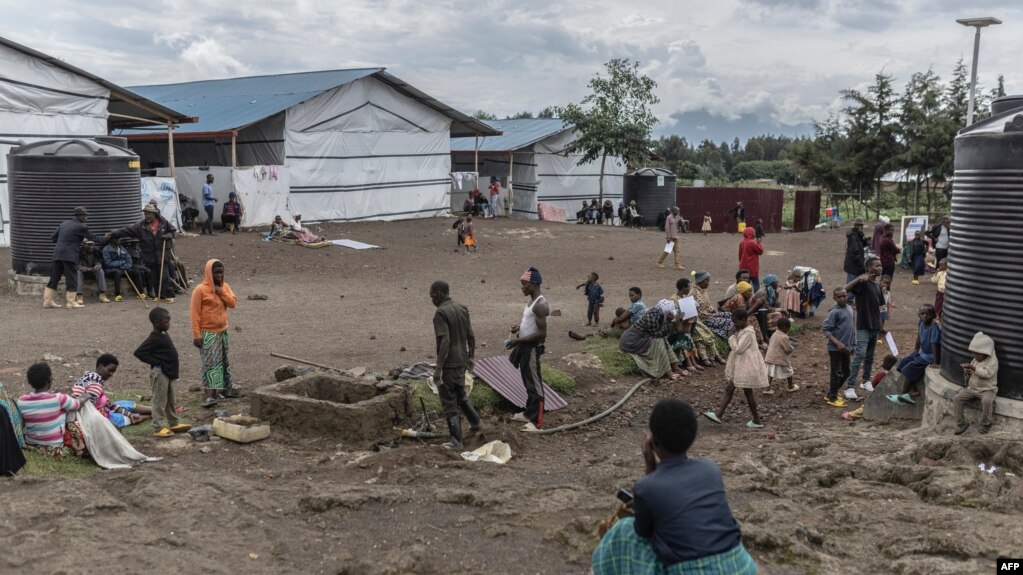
(300,234)
(744,299)
(767,305)
(91,387)
(718,322)
(626,316)
(646,341)
(277,229)
(681,520)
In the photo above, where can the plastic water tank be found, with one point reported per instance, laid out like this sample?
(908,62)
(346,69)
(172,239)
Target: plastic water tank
(653,189)
(47,180)
(985,264)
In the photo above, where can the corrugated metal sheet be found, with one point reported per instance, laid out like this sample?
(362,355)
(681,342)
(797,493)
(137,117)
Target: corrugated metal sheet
(233,103)
(761,203)
(515,135)
(500,374)
(808,210)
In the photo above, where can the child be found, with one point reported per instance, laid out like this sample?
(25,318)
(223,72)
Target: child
(759,235)
(91,387)
(707,221)
(886,307)
(745,369)
(982,383)
(594,294)
(468,236)
(927,352)
(840,330)
(159,353)
(675,529)
(778,352)
(276,229)
(886,366)
(791,301)
(460,227)
(46,426)
(938,279)
(917,253)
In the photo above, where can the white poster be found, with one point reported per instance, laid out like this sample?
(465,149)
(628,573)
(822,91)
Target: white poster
(660,181)
(910,225)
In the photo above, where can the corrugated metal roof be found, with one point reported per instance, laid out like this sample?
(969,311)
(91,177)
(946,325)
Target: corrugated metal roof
(233,103)
(516,135)
(500,374)
(122,101)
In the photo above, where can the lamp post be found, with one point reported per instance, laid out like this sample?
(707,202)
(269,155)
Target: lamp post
(976,23)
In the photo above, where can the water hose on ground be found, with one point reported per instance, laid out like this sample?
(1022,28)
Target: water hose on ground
(601,415)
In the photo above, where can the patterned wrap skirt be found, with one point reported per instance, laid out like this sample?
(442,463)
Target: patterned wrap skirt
(216,370)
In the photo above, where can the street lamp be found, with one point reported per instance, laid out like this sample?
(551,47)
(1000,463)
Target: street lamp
(977,23)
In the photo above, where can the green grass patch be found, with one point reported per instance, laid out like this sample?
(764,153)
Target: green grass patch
(614,361)
(41,465)
(556,379)
(482,396)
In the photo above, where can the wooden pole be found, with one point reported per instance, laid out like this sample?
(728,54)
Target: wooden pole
(170,147)
(511,198)
(476,161)
(234,149)
(307,362)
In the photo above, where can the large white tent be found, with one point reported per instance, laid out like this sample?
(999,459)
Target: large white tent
(43,98)
(355,144)
(532,152)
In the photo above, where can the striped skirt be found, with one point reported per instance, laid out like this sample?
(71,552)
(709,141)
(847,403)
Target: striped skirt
(623,552)
(216,370)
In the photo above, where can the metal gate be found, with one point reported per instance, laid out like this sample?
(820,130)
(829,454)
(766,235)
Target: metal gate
(808,210)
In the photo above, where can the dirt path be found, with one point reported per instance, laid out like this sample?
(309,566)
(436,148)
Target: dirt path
(814,494)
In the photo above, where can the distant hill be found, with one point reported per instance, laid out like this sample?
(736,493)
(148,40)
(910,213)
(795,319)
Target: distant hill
(699,125)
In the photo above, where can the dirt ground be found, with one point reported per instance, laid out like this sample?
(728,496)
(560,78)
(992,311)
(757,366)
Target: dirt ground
(814,494)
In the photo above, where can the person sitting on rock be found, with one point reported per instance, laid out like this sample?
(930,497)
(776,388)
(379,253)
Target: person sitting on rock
(681,520)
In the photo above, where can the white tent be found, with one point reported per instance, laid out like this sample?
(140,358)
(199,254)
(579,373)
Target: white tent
(532,152)
(355,144)
(42,98)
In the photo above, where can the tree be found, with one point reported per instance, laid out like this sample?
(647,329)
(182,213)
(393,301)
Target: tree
(526,115)
(822,160)
(872,135)
(615,119)
(483,115)
(548,113)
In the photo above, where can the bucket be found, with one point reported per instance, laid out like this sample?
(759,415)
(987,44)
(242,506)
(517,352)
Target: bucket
(742,226)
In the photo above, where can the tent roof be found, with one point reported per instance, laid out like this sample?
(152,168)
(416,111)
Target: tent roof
(515,135)
(233,103)
(122,101)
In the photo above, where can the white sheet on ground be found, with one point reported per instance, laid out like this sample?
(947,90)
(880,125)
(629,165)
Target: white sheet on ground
(107,447)
(354,245)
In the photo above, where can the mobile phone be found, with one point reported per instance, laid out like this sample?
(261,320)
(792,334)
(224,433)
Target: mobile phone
(624,495)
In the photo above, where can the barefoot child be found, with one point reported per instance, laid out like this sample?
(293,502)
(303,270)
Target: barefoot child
(839,329)
(982,376)
(159,353)
(745,369)
(92,387)
(459,226)
(927,353)
(707,221)
(594,294)
(777,358)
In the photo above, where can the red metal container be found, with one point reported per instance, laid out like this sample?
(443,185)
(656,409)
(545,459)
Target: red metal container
(808,210)
(762,203)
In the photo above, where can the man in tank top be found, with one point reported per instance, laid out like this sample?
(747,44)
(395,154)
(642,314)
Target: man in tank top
(527,345)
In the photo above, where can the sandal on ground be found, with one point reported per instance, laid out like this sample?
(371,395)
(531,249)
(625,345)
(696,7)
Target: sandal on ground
(711,416)
(209,402)
(837,402)
(180,427)
(907,398)
(520,416)
(164,432)
(754,425)
(795,387)
(894,398)
(768,391)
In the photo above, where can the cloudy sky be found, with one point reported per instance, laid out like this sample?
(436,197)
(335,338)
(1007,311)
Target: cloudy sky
(723,68)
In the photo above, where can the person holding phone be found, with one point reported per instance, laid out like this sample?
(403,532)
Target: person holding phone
(869,299)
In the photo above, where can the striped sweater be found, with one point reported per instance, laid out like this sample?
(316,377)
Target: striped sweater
(45,416)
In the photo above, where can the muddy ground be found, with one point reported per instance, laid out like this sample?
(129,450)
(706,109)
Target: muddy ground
(813,493)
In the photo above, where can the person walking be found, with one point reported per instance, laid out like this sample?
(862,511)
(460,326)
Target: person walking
(208,201)
(153,234)
(671,226)
(456,351)
(527,345)
(68,238)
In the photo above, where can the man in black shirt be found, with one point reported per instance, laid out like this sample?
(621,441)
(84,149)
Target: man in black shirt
(456,349)
(855,246)
(868,322)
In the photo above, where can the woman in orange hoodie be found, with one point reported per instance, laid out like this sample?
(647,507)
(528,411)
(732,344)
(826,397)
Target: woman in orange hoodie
(208,313)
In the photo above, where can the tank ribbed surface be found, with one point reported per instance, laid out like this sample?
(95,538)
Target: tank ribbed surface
(651,199)
(47,180)
(985,260)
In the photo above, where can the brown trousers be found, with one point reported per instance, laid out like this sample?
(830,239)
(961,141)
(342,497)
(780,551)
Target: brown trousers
(987,403)
(163,400)
(675,251)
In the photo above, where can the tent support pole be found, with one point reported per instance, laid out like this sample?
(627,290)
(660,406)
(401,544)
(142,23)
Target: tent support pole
(511,197)
(170,148)
(234,149)
(476,161)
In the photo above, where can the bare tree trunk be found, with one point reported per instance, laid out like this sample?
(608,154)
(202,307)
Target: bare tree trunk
(603,160)
(927,189)
(916,202)
(877,206)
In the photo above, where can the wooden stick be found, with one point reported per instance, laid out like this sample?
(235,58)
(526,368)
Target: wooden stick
(137,292)
(163,255)
(305,361)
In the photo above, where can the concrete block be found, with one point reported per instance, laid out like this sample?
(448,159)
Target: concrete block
(940,412)
(877,407)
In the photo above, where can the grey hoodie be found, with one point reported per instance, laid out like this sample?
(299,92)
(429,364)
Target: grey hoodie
(985,373)
(841,325)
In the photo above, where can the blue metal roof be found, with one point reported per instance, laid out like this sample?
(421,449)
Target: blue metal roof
(516,135)
(233,103)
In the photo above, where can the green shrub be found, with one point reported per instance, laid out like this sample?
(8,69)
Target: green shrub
(614,362)
(556,379)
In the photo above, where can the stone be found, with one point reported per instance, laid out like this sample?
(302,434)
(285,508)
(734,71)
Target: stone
(53,358)
(356,372)
(583,359)
(93,353)
(205,449)
(286,372)
(556,313)
(257,297)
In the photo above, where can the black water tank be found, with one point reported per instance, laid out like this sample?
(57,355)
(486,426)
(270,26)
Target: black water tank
(985,265)
(653,189)
(47,180)
(1006,103)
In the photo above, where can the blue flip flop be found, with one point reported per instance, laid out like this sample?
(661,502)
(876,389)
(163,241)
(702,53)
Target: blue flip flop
(710,415)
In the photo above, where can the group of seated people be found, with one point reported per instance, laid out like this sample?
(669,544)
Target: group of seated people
(594,213)
(477,205)
(117,259)
(279,231)
(230,215)
(47,421)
